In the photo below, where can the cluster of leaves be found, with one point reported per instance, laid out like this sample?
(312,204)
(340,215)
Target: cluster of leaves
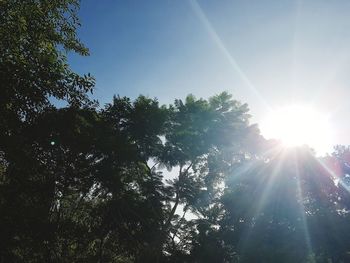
(79,186)
(88,184)
(287,209)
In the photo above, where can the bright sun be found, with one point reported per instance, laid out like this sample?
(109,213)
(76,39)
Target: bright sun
(297,125)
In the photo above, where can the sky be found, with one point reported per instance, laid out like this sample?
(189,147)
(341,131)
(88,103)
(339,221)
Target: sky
(268,54)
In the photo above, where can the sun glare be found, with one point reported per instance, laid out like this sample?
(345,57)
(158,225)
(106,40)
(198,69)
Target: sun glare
(298,125)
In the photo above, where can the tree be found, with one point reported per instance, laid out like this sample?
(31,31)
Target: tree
(88,184)
(203,139)
(286,207)
(35,37)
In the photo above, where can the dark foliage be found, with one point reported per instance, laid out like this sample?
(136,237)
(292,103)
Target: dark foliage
(89,184)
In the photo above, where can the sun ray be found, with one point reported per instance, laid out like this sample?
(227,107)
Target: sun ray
(301,206)
(270,181)
(279,154)
(219,43)
(295,43)
(335,175)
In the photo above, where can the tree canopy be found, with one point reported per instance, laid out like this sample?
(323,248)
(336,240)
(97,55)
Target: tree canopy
(138,181)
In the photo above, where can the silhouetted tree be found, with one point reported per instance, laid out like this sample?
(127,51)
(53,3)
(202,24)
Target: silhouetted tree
(34,39)
(88,184)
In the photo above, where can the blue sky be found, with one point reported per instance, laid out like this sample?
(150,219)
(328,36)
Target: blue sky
(266,53)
